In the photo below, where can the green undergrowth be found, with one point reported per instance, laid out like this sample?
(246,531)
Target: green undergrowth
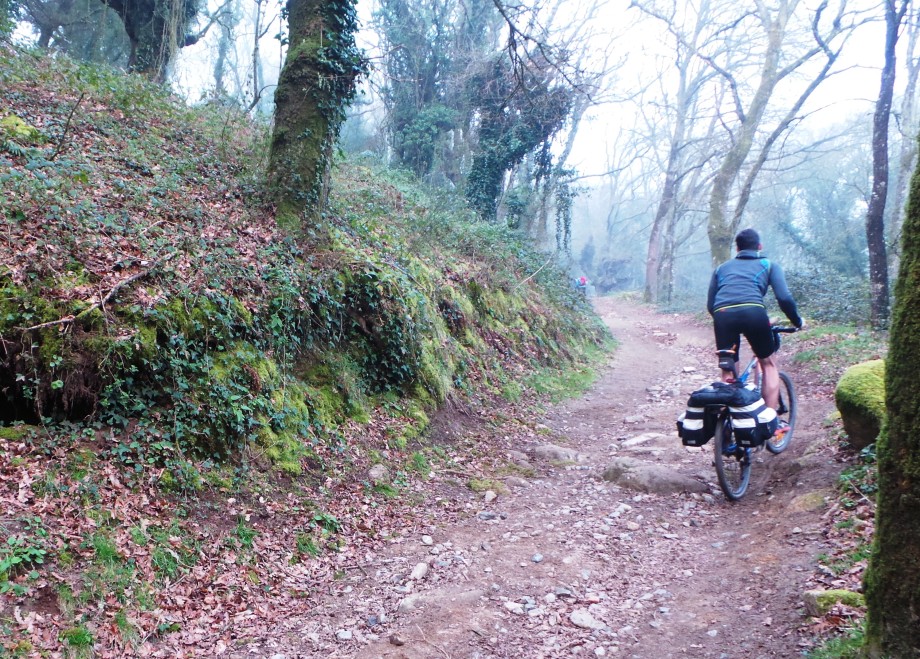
(829,349)
(146,293)
(174,365)
(846,646)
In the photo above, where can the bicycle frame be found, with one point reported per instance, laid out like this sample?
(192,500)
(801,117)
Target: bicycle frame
(745,374)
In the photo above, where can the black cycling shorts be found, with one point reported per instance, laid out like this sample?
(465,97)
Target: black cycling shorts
(752,322)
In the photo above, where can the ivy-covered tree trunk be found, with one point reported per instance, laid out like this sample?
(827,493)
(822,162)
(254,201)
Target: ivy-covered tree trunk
(892,582)
(157,30)
(315,87)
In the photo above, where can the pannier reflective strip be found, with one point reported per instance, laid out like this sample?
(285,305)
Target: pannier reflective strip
(696,426)
(754,422)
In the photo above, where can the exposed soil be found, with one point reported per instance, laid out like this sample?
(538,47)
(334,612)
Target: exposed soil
(565,563)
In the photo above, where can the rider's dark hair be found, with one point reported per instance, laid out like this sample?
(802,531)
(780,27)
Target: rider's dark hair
(747,239)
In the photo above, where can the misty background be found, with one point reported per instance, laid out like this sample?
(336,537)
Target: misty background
(627,138)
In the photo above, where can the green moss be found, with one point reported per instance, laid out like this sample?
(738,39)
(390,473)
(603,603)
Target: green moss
(326,404)
(89,319)
(860,397)
(819,602)
(283,449)
(181,476)
(218,478)
(17,433)
(341,377)
(145,341)
(15,128)
(436,369)
(23,307)
(52,348)
(485,484)
(511,391)
(240,311)
(191,317)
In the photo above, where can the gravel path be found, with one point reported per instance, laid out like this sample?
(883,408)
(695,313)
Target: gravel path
(565,563)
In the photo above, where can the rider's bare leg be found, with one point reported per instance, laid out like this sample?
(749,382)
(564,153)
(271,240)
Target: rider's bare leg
(770,387)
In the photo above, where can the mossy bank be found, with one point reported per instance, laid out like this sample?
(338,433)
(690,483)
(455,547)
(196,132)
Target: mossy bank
(146,288)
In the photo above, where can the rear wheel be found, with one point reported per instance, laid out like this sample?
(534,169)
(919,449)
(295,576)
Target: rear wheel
(785,412)
(733,463)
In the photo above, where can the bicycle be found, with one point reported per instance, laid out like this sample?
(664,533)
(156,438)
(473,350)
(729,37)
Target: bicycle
(733,462)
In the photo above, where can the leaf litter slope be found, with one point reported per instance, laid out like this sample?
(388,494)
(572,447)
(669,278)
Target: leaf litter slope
(564,562)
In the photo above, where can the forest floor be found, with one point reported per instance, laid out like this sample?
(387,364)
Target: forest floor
(562,562)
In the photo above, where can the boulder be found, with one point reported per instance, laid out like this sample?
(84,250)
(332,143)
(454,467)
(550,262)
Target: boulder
(556,453)
(810,501)
(378,474)
(641,476)
(519,459)
(860,397)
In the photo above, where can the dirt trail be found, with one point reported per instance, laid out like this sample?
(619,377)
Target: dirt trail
(566,563)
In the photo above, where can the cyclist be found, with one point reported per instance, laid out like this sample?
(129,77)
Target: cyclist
(736,305)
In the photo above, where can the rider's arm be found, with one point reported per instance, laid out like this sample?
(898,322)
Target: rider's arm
(783,296)
(713,287)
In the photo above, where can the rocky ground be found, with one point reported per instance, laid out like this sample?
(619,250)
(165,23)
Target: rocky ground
(554,560)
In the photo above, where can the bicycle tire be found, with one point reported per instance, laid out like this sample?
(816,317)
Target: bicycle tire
(733,468)
(787,412)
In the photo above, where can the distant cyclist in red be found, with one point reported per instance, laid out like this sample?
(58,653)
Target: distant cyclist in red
(737,307)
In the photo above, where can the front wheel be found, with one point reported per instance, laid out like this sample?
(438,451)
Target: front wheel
(732,462)
(785,412)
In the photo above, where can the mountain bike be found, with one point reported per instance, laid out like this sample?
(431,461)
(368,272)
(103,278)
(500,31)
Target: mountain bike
(733,462)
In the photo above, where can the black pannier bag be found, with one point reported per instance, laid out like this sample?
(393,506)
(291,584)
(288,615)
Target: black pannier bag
(717,393)
(753,422)
(697,424)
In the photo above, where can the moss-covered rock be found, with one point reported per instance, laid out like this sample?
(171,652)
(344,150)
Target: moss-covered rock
(810,501)
(860,397)
(819,602)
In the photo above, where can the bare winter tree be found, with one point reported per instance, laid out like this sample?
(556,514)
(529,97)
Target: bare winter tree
(779,28)
(680,112)
(875,215)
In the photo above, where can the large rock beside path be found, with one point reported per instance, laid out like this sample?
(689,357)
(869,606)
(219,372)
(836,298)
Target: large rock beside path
(860,397)
(557,453)
(644,476)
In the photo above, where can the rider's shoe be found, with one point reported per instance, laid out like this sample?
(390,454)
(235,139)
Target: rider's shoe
(781,429)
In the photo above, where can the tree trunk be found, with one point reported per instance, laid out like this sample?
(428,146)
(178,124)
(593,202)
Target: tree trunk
(907,157)
(722,225)
(665,206)
(892,582)
(875,215)
(156,29)
(317,82)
